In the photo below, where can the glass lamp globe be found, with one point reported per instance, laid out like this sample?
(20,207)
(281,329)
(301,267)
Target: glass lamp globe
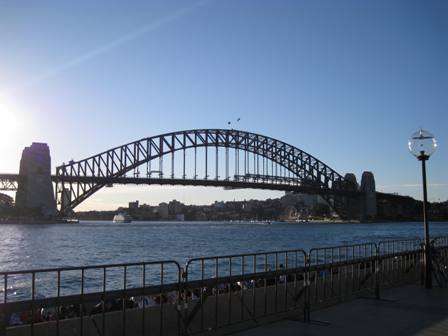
(422,144)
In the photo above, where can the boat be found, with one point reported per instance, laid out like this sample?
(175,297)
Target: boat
(70,220)
(122,217)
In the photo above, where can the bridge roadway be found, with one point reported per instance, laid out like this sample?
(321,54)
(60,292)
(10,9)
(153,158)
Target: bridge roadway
(10,182)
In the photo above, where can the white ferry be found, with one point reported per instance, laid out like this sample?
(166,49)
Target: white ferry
(122,217)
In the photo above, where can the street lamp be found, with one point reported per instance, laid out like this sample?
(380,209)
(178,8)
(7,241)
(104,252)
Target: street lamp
(422,144)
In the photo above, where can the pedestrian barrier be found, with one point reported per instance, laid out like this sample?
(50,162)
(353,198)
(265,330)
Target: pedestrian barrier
(225,290)
(400,262)
(210,293)
(338,273)
(113,299)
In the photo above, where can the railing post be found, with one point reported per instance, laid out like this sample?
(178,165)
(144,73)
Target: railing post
(183,304)
(422,264)
(181,301)
(307,301)
(377,273)
(3,321)
(3,315)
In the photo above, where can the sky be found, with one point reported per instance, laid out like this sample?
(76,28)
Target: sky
(348,81)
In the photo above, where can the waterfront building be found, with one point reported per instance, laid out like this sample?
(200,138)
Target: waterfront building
(162,210)
(175,207)
(133,205)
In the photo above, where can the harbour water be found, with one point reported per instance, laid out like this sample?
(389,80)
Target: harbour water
(34,246)
(38,246)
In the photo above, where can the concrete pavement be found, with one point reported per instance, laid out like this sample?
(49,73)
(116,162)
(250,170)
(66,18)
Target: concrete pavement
(409,310)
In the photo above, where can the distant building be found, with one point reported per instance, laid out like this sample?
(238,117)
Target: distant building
(133,205)
(219,205)
(305,200)
(162,210)
(175,207)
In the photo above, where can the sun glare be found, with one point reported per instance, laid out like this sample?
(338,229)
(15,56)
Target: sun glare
(11,125)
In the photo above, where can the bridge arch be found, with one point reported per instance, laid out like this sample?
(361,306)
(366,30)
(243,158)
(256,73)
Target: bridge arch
(78,180)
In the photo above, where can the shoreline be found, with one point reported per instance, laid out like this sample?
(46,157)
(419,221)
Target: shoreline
(27,221)
(30,221)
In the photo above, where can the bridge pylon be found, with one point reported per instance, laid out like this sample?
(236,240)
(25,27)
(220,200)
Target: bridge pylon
(35,190)
(368,204)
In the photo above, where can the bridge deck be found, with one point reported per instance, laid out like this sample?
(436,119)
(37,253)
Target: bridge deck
(9,182)
(236,184)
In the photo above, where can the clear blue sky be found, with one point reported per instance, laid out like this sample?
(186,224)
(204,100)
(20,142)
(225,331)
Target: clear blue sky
(347,81)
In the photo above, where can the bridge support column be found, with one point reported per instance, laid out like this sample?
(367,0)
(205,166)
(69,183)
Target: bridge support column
(351,204)
(65,197)
(35,191)
(368,204)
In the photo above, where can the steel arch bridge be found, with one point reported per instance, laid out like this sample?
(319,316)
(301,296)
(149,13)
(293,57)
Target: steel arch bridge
(208,157)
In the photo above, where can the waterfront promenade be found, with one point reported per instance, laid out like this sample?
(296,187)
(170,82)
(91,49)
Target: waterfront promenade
(409,310)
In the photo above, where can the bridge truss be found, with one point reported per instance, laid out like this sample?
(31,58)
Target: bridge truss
(210,157)
(9,182)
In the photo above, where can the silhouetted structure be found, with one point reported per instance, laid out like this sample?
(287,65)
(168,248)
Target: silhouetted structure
(231,159)
(35,191)
(368,203)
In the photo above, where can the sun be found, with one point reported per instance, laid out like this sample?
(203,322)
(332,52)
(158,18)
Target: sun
(14,135)
(11,124)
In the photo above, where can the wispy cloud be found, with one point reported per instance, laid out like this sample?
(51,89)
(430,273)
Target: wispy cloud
(118,42)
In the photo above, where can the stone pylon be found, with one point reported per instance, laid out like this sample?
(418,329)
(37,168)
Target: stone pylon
(35,191)
(351,204)
(368,204)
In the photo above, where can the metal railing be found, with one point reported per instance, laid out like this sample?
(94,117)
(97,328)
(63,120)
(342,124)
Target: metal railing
(210,293)
(399,262)
(86,300)
(243,288)
(340,272)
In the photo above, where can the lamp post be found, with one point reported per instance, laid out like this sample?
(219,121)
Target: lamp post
(422,145)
